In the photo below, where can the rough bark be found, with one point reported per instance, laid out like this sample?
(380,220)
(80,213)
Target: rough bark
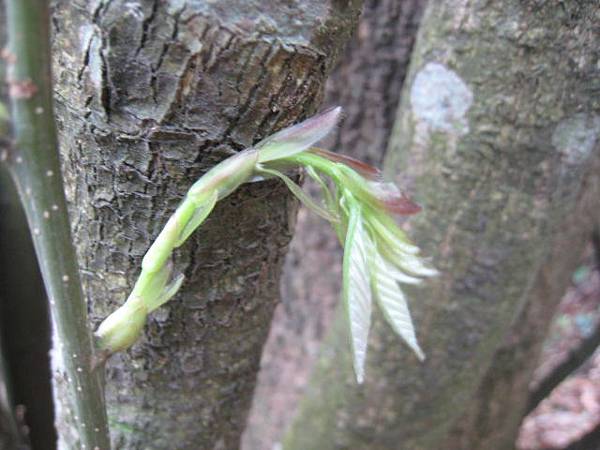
(369,78)
(495,132)
(150,95)
(367,83)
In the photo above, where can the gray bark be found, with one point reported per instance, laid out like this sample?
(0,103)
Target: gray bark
(493,417)
(149,96)
(367,83)
(497,136)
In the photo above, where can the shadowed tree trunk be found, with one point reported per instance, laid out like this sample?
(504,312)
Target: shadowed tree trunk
(496,134)
(149,96)
(367,83)
(24,321)
(9,433)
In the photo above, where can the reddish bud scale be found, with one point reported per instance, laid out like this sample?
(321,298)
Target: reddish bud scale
(400,204)
(366,170)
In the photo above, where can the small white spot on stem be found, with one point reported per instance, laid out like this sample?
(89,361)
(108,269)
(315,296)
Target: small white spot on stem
(79,389)
(36,231)
(49,173)
(65,278)
(46,214)
(4,155)
(18,160)
(79,369)
(54,207)
(74,355)
(27,192)
(39,110)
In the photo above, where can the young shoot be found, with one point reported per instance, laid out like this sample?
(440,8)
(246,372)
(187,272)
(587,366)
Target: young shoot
(356,201)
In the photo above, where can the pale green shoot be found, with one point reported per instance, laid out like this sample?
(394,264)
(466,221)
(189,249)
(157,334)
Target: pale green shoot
(378,255)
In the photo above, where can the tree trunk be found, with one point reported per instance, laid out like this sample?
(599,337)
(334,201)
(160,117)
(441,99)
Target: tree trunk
(495,133)
(493,417)
(150,95)
(367,83)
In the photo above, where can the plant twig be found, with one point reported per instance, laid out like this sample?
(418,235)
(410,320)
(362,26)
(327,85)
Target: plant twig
(35,168)
(378,255)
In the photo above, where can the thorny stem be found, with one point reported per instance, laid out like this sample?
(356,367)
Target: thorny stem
(35,168)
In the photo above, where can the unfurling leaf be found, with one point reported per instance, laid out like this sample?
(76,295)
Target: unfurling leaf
(168,292)
(297,138)
(392,302)
(359,204)
(306,199)
(357,288)
(199,216)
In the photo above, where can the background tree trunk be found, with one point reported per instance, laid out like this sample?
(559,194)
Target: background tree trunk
(150,95)
(496,131)
(367,83)
(493,417)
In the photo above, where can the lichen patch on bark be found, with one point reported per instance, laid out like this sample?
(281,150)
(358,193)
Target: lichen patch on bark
(441,99)
(576,136)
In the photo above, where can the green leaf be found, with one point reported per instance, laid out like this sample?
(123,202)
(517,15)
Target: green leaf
(392,302)
(329,201)
(150,284)
(306,199)
(168,292)
(356,287)
(410,264)
(297,138)
(198,218)
(390,235)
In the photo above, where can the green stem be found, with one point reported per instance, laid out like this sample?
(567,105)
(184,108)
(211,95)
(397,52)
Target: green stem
(123,327)
(35,168)
(319,163)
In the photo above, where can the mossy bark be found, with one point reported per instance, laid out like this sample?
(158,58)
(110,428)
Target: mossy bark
(150,95)
(497,136)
